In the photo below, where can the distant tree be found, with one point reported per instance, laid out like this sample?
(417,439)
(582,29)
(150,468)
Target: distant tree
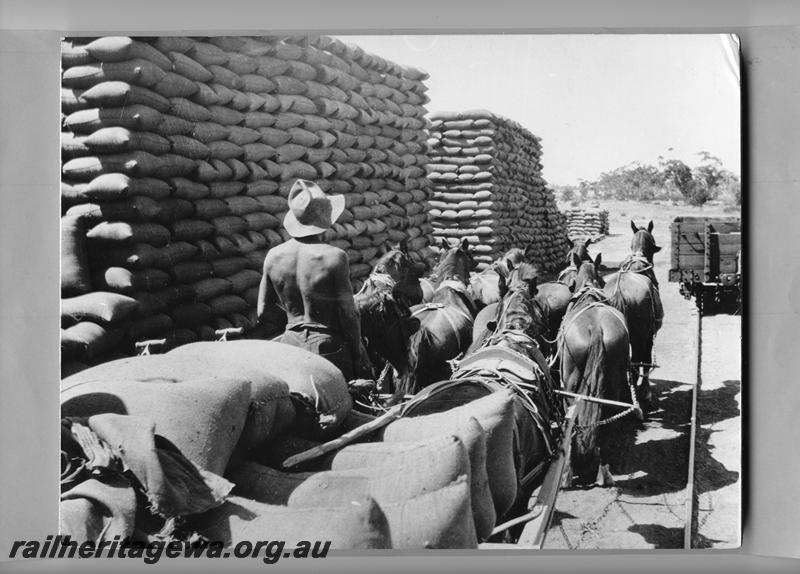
(680,175)
(668,179)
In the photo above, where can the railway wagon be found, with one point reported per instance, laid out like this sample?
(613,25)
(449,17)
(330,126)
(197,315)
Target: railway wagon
(706,259)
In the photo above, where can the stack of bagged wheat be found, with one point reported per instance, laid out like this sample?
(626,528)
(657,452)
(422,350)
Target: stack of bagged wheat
(486,176)
(583,223)
(178,155)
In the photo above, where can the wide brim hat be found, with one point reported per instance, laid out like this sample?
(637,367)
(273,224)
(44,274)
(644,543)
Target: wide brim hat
(311,211)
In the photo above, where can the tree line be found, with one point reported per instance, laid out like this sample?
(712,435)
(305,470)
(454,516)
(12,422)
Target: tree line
(670,179)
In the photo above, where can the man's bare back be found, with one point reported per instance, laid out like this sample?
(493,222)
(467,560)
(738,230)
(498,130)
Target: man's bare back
(306,280)
(311,282)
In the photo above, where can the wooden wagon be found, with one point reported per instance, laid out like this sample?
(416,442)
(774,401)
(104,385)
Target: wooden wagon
(706,260)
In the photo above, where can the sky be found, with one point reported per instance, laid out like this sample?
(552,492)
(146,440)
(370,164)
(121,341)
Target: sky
(598,101)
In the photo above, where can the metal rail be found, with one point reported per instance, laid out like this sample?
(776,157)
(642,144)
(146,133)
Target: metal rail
(691,507)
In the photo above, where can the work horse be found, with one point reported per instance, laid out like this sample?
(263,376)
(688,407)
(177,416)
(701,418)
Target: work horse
(484,287)
(554,296)
(384,303)
(594,352)
(521,279)
(633,290)
(510,358)
(579,249)
(445,329)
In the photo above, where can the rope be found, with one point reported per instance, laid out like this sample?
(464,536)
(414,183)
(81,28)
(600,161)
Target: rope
(518,387)
(589,290)
(625,266)
(527,402)
(565,271)
(634,407)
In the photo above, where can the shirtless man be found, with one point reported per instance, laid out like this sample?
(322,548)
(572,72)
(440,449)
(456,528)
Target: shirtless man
(311,282)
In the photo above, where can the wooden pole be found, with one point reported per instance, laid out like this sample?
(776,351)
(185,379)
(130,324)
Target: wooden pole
(593,399)
(392,414)
(542,513)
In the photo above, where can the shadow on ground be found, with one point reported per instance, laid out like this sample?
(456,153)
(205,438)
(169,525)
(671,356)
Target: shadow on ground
(714,406)
(559,517)
(659,465)
(659,536)
(663,537)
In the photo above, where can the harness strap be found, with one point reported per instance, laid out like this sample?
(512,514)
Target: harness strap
(565,271)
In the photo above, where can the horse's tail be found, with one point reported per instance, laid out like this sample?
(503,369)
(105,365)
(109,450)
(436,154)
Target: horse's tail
(587,414)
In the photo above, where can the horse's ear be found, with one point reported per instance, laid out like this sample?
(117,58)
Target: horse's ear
(533,287)
(588,242)
(445,245)
(633,226)
(465,245)
(656,249)
(598,260)
(502,286)
(575,259)
(403,245)
(650,227)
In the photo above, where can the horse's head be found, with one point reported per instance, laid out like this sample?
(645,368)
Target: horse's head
(405,273)
(521,277)
(397,264)
(454,263)
(643,242)
(581,249)
(577,254)
(519,311)
(588,273)
(515,255)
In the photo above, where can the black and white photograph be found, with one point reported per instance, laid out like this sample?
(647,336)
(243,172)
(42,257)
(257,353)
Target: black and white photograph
(407,292)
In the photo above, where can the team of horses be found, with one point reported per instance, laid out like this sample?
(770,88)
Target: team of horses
(581,336)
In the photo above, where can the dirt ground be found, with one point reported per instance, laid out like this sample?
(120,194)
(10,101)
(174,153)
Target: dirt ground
(647,507)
